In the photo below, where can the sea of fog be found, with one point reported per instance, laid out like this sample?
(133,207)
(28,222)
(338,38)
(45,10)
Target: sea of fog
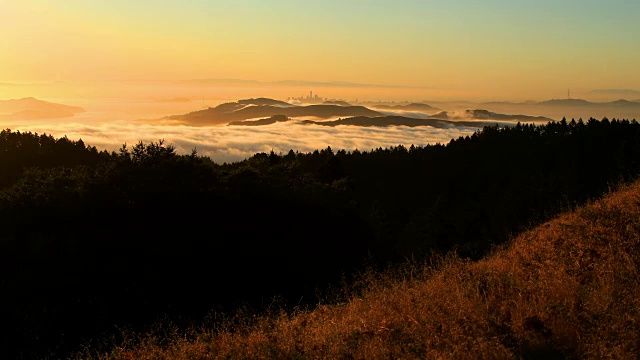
(108,124)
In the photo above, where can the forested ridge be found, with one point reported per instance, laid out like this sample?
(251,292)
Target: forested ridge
(95,241)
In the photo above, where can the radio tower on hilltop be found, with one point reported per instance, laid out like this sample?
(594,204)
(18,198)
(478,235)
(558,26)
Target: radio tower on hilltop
(568,94)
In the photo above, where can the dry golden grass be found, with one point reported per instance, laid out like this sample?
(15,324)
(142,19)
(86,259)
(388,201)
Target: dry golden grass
(568,288)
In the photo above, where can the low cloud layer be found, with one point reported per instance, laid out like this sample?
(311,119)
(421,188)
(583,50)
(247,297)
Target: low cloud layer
(231,143)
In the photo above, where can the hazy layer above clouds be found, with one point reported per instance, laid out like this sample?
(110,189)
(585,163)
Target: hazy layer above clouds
(135,115)
(114,110)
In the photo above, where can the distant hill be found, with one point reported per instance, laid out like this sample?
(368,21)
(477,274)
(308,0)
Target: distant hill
(616,91)
(408,107)
(624,103)
(384,121)
(581,102)
(442,120)
(268,121)
(226,113)
(566,102)
(488,115)
(31,108)
(336,102)
(264,101)
(567,108)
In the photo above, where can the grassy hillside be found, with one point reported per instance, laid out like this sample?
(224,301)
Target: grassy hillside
(568,288)
(93,242)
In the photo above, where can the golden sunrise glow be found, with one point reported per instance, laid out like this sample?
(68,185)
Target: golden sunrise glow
(125,63)
(452,49)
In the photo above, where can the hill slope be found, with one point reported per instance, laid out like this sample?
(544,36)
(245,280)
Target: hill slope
(488,115)
(406,107)
(31,109)
(384,121)
(247,109)
(568,288)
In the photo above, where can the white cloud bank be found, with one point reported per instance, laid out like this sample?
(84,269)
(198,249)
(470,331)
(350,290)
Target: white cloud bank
(234,143)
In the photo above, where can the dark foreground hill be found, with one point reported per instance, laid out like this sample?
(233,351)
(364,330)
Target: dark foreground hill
(94,242)
(566,289)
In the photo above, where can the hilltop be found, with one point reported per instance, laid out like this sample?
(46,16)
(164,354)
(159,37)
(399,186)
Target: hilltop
(31,108)
(236,113)
(567,103)
(337,102)
(264,101)
(441,120)
(264,108)
(567,288)
(569,108)
(268,121)
(384,121)
(479,114)
(407,107)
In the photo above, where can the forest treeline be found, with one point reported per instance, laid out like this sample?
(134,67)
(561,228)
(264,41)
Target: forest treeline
(95,241)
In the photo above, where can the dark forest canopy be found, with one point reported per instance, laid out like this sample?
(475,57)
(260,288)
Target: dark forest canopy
(94,241)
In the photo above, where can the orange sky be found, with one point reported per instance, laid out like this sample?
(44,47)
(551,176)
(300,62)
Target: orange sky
(442,49)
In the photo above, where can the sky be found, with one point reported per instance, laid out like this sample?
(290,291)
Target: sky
(519,49)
